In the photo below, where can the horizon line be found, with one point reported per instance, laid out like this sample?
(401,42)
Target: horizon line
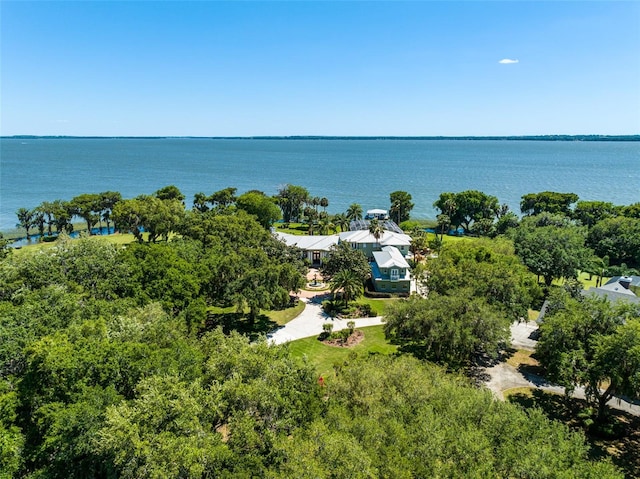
(557,136)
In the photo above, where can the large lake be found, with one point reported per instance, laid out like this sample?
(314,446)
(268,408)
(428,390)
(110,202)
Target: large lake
(345,171)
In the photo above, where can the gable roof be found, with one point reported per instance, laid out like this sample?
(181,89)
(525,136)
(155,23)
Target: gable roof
(309,243)
(390,257)
(614,291)
(635,280)
(613,295)
(388,238)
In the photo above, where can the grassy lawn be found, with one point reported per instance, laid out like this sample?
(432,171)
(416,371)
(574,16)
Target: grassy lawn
(283,316)
(279,317)
(621,443)
(323,357)
(533,314)
(449,238)
(378,306)
(522,357)
(33,247)
(116,239)
(293,229)
(584,279)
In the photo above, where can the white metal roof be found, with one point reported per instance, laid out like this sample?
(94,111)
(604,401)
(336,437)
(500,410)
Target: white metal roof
(309,243)
(390,257)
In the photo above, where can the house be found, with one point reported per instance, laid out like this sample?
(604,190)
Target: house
(315,248)
(390,271)
(629,282)
(619,288)
(377,215)
(386,255)
(364,241)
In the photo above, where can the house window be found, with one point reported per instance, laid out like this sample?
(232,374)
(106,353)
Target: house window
(395,274)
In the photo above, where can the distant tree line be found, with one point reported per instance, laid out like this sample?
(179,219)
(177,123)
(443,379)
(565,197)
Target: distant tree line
(163,212)
(558,234)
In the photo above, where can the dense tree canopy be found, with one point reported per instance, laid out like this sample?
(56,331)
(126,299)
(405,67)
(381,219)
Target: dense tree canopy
(450,330)
(591,342)
(467,207)
(261,206)
(476,289)
(87,206)
(343,257)
(109,366)
(223,198)
(489,269)
(547,201)
(401,206)
(591,212)
(550,251)
(618,239)
(291,199)
(168,193)
(158,217)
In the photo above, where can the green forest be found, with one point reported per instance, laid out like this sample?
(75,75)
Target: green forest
(144,353)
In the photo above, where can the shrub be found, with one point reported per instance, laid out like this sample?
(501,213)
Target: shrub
(342,335)
(365,310)
(326,331)
(369,292)
(331,308)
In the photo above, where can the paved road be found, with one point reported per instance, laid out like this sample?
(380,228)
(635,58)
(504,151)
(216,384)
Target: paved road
(309,323)
(503,376)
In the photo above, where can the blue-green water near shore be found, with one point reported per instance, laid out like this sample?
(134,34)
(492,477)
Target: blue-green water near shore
(345,171)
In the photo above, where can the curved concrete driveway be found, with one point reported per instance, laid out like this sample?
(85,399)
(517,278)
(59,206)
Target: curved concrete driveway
(309,323)
(501,376)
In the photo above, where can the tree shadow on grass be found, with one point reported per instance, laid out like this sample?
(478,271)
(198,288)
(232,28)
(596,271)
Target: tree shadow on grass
(241,323)
(618,439)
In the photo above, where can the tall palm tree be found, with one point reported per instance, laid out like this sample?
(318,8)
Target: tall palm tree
(376,229)
(324,202)
(354,212)
(25,220)
(347,281)
(341,221)
(326,226)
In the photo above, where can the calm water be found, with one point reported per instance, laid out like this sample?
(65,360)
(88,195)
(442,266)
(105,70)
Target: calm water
(344,171)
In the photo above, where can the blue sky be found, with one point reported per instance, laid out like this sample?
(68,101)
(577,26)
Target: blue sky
(319,68)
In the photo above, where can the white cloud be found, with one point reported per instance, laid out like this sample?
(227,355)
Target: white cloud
(507,61)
